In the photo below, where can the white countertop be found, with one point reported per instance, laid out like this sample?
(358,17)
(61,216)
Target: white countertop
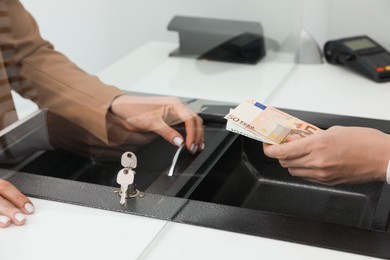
(63,231)
(180,241)
(333,89)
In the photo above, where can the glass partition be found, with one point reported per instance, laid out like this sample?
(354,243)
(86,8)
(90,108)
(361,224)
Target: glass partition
(211,56)
(164,100)
(182,66)
(224,51)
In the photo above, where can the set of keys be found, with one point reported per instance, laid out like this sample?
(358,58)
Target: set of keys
(125,178)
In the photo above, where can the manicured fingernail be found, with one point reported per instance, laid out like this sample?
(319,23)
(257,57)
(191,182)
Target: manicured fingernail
(194,149)
(4,219)
(177,141)
(29,207)
(20,217)
(202,146)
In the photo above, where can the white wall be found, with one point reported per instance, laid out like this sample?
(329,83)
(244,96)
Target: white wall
(333,19)
(357,17)
(95,33)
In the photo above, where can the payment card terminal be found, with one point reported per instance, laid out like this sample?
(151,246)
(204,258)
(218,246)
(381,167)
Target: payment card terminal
(362,54)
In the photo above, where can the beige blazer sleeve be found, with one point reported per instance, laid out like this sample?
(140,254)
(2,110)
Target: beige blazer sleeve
(51,80)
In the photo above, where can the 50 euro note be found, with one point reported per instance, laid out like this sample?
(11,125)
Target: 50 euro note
(267,123)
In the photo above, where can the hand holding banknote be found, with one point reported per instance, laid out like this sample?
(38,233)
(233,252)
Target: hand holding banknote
(338,155)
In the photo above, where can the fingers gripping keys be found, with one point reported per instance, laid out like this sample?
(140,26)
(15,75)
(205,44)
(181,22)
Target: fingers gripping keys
(125,178)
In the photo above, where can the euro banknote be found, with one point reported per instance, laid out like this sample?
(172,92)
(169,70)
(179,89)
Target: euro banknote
(267,124)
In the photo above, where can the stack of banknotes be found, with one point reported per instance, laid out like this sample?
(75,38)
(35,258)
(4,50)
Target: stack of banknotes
(266,124)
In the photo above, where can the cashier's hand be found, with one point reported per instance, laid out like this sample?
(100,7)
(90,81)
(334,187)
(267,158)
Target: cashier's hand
(338,155)
(13,205)
(158,114)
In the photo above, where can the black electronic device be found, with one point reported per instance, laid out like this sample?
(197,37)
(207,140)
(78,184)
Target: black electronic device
(362,54)
(245,48)
(219,39)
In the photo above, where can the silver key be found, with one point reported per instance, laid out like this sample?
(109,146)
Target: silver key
(125,178)
(129,160)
